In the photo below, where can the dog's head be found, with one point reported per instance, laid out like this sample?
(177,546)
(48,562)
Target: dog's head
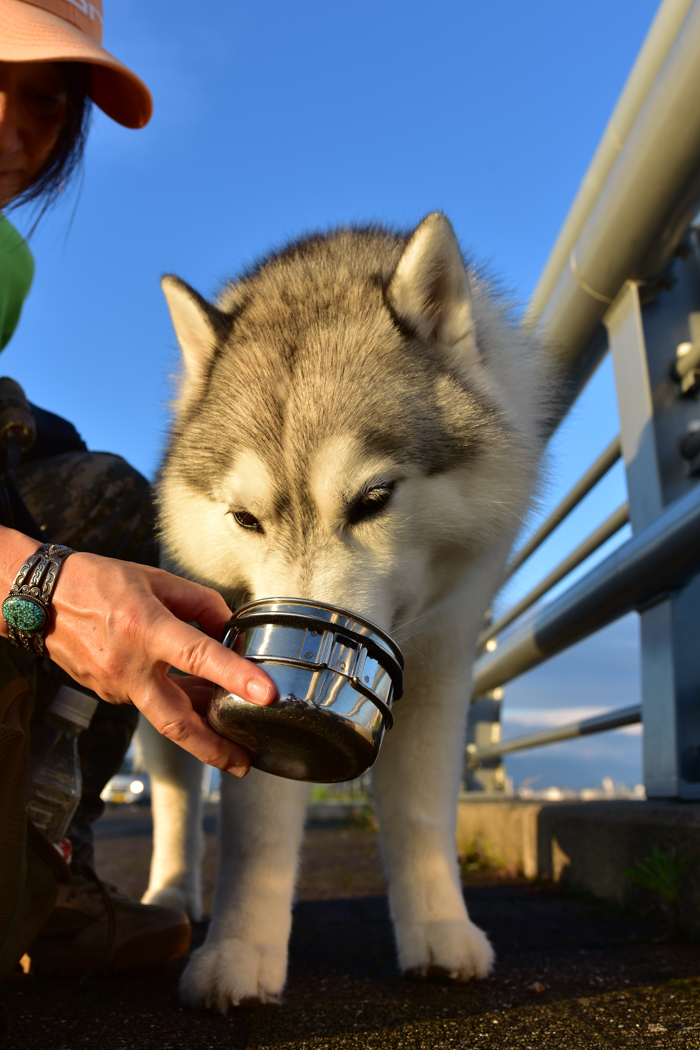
(358,422)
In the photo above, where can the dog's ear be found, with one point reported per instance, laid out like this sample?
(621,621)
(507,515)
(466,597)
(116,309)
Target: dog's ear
(196,325)
(430,290)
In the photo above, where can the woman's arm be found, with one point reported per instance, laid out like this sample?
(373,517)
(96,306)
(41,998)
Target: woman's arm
(117,628)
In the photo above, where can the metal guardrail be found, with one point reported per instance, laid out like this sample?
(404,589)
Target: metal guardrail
(630,216)
(659,41)
(662,555)
(623,716)
(592,543)
(630,225)
(607,459)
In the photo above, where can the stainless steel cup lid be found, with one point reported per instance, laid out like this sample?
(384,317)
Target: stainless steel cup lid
(325,626)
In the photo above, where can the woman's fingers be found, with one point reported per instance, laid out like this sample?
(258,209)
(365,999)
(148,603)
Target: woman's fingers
(182,646)
(118,627)
(198,691)
(192,602)
(169,710)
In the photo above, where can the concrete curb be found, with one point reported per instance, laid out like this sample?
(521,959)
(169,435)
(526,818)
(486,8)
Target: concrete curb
(587,844)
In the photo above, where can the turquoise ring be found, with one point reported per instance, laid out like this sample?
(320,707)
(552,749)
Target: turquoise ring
(24,613)
(26,608)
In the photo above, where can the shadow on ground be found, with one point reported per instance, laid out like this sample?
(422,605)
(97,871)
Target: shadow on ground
(606,981)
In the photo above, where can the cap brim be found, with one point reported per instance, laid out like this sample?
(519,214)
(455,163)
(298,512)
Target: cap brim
(30,34)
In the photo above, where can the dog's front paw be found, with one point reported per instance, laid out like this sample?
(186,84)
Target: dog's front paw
(234,973)
(453,950)
(176,897)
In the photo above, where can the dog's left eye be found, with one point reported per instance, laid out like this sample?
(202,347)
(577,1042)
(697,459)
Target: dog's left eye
(246,520)
(370,502)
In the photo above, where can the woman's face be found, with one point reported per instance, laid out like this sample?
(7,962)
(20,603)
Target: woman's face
(32,111)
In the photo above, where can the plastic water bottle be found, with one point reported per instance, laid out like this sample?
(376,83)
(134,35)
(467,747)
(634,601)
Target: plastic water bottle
(55,780)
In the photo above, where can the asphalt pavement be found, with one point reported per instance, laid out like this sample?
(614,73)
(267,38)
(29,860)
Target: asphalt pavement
(571,973)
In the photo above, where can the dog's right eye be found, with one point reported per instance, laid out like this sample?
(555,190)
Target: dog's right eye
(246,520)
(370,502)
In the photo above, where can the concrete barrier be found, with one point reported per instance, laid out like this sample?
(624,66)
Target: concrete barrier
(587,845)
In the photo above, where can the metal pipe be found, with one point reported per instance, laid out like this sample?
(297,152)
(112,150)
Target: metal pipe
(583,486)
(623,716)
(597,538)
(662,555)
(644,207)
(658,41)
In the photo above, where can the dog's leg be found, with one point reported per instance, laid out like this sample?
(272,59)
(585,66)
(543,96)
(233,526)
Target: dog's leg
(244,958)
(176,801)
(417,778)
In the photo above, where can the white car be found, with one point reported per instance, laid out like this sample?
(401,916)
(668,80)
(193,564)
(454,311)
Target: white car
(127,788)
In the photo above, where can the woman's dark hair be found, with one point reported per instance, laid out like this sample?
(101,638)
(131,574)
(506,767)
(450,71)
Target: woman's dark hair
(65,158)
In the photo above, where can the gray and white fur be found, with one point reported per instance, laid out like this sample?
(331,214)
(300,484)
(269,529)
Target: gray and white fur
(369,406)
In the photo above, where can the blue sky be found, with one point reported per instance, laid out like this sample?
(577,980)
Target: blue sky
(274,119)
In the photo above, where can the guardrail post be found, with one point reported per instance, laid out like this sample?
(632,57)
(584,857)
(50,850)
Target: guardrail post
(484,729)
(656,415)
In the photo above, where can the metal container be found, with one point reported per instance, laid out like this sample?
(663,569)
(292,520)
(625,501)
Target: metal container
(336,676)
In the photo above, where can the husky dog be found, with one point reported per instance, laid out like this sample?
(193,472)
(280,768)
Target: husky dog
(359,422)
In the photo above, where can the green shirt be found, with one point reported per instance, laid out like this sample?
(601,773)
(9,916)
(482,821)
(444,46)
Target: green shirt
(16,272)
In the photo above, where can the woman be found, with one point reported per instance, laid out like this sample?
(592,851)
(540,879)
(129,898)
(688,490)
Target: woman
(114,626)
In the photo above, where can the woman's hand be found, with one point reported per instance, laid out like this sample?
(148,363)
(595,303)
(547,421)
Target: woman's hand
(117,628)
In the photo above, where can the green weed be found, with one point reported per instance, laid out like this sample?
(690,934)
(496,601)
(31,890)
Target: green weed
(661,872)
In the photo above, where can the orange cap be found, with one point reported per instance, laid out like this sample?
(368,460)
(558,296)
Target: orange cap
(71,31)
